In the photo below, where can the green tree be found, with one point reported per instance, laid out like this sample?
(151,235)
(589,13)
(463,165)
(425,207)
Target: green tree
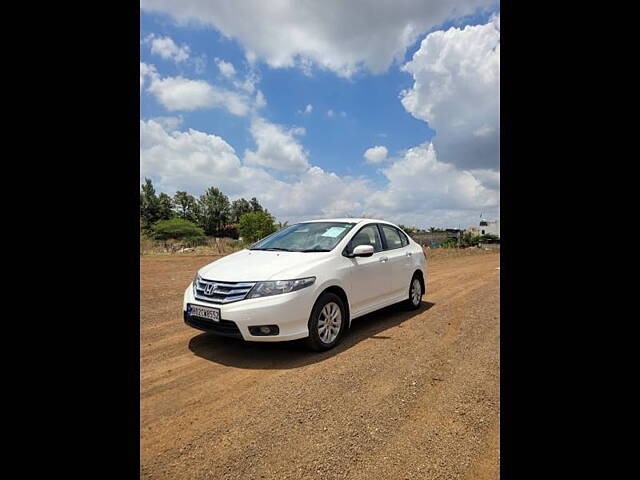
(165,207)
(214,211)
(469,240)
(177,228)
(255,205)
(488,237)
(186,206)
(149,205)
(238,208)
(256,225)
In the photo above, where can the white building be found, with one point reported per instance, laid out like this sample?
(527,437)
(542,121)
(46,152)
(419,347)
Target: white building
(490,227)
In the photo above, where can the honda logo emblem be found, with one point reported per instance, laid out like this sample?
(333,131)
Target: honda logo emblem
(209,288)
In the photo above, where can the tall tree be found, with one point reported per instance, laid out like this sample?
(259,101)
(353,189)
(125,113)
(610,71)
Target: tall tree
(238,208)
(186,206)
(255,205)
(149,205)
(165,207)
(214,211)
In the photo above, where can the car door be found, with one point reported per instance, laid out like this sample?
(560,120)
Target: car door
(370,276)
(396,249)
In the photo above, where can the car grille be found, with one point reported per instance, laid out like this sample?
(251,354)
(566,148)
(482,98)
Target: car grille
(221,292)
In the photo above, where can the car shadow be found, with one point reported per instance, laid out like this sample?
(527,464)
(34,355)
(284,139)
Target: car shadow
(294,354)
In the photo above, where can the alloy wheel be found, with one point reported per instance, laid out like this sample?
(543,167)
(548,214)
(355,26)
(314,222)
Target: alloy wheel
(329,322)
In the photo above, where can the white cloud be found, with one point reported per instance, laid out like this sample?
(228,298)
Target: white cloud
(260,100)
(457,90)
(169,123)
(340,36)
(277,148)
(419,178)
(194,160)
(376,154)
(227,69)
(147,71)
(331,113)
(167,49)
(183,94)
(421,190)
(308,108)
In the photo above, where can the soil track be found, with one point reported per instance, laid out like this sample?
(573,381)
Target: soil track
(406,395)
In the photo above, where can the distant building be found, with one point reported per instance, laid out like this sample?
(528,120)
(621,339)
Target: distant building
(489,227)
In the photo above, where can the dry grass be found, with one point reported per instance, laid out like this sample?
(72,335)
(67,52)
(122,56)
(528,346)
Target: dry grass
(437,253)
(212,246)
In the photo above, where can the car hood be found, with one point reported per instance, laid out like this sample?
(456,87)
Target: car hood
(260,265)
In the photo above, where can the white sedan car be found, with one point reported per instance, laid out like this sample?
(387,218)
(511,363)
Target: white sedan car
(308,280)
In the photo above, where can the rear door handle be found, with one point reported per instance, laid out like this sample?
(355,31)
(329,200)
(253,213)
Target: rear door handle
(408,254)
(383,259)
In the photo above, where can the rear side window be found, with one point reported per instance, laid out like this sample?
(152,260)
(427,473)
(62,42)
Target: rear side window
(392,237)
(403,238)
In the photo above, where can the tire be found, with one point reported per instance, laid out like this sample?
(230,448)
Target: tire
(414,300)
(328,306)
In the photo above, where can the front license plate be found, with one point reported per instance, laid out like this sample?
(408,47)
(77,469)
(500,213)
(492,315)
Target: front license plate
(209,313)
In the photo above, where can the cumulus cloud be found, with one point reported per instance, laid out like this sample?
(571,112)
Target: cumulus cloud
(420,190)
(420,180)
(193,161)
(227,69)
(457,91)
(167,48)
(260,100)
(183,94)
(376,154)
(169,123)
(277,147)
(147,71)
(308,108)
(340,36)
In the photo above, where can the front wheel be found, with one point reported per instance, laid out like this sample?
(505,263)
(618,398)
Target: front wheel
(415,294)
(327,322)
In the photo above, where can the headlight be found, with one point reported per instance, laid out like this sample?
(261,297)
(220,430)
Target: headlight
(196,280)
(266,289)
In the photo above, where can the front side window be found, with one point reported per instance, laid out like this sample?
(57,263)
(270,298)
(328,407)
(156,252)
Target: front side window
(305,237)
(369,235)
(392,237)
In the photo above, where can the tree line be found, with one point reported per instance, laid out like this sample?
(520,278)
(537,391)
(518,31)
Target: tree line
(184,215)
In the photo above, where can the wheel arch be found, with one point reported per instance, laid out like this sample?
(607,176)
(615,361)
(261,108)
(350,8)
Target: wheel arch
(339,291)
(418,273)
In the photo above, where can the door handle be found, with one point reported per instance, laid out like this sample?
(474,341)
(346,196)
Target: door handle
(383,259)
(408,254)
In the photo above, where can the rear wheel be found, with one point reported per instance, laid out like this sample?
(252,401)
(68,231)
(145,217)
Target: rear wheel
(327,322)
(415,293)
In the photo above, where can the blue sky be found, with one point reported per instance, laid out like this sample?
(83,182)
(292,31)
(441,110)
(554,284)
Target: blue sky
(354,107)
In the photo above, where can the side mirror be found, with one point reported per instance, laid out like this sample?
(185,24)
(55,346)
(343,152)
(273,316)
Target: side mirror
(363,251)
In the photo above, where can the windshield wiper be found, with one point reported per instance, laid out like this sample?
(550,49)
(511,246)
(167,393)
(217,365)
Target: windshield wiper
(273,249)
(314,250)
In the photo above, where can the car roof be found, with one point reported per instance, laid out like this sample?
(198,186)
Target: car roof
(348,220)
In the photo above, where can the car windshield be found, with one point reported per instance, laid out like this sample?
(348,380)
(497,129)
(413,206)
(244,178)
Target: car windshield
(305,237)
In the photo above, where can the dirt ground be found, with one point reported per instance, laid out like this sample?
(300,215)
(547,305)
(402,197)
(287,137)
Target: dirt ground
(406,395)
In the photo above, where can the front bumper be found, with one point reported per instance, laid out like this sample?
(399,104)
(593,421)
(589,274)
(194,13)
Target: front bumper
(289,311)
